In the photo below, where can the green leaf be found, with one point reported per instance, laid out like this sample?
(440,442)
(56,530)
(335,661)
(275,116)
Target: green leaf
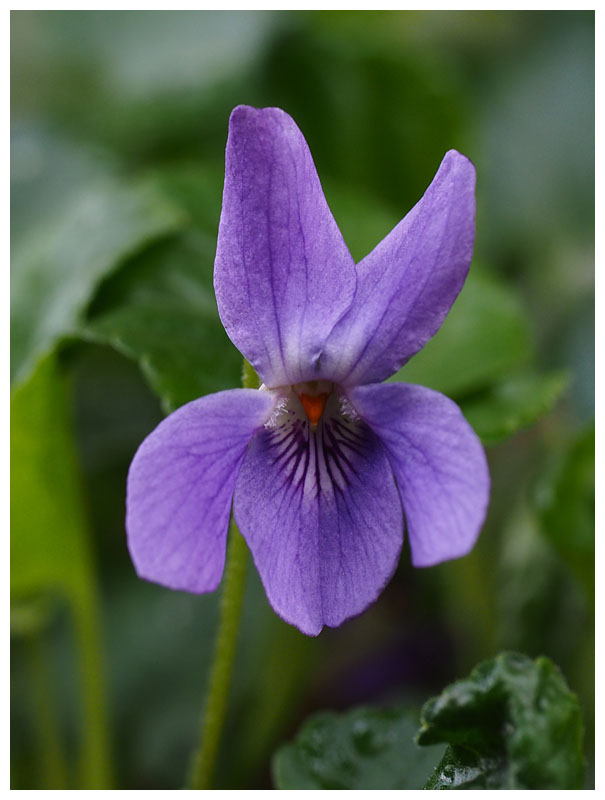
(250,379)
(196,187)
(485,335)
(48,547)
(512,724)
(514,403)
(160,310)
(363,749)
(57,271)
(565,501)
(50,553)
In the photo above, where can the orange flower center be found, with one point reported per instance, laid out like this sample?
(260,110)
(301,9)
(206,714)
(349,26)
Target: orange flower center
(314,406)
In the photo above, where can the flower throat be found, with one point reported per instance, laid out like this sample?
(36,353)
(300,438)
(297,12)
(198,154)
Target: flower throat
(313,397)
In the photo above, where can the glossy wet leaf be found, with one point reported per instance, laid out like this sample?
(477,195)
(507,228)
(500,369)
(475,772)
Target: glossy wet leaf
(485,335)
(365,748)
(160,310)
(57,270)
(512,724)
(514,403)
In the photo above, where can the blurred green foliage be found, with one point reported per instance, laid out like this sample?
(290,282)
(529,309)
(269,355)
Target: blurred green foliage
(119,123)
(565,499)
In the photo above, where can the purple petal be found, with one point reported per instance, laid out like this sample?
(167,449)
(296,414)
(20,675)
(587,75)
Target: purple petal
(322,517)
(439,464)
(283,274)
(407,284)
(180,486)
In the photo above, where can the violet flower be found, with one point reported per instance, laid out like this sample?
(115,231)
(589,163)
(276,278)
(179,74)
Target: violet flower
(323,461)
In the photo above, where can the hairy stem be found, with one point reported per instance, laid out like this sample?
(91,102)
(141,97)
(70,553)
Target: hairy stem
(226,641)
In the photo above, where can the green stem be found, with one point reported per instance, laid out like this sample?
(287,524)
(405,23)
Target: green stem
(222,668)
(95,760)
(52,758)
(226,641)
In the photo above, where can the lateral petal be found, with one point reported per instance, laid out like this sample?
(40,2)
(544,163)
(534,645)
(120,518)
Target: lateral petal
(407,284)
(180,486)
(322,517)
(283,275)
(438,462)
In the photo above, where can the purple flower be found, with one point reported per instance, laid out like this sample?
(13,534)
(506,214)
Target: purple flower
(323,461)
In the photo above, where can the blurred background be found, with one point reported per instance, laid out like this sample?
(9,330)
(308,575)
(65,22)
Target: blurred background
(119,123)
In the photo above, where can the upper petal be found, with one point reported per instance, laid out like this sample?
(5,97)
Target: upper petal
(322,517)
(439,464)
(180,486)
(407,284)
(283,275)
